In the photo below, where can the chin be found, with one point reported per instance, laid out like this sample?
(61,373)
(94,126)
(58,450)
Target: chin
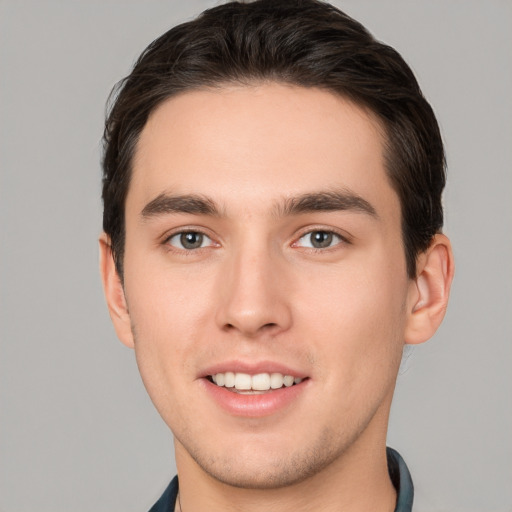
(256,468)
(276,475)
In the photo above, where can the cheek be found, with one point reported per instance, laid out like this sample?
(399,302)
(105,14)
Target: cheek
(170,312)
(161,295)
(357,320)
(165,320)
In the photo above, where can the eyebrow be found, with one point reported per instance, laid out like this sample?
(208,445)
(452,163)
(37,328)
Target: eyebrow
(190,203)
(327,201)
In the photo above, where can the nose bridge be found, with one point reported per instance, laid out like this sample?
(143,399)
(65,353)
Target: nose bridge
(252,290)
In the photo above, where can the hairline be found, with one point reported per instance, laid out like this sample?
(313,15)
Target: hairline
(380,124)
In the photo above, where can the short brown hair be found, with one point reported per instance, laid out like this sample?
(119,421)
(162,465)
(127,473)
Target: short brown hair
(307,43)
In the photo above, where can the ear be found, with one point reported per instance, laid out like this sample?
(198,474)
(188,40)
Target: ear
(429,291)
(114,293)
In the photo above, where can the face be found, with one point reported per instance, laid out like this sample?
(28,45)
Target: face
(265,280)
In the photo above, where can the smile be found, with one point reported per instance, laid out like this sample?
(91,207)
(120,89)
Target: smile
(256,389)
(253,384)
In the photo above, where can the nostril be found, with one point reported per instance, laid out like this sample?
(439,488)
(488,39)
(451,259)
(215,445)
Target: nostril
(264,327)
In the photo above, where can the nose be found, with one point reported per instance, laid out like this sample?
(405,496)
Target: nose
(253,297)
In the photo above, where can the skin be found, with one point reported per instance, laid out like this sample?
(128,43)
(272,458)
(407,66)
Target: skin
(257,291)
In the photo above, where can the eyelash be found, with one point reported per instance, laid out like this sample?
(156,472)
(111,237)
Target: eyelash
(170,247)
(342,240)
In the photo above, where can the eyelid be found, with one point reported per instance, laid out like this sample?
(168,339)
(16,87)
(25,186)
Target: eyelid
(344,237)
(189,229)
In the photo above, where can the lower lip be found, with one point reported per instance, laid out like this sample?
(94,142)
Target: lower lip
(253,406)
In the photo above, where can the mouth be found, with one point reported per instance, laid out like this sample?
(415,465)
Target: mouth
(257,384)
(255,389)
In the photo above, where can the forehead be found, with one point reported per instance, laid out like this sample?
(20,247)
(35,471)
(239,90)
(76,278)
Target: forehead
(247,146)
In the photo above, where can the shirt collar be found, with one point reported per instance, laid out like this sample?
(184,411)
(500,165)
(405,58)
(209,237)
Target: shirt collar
(401,479)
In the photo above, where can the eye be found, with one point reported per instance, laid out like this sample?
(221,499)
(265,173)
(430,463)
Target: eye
(189,240)
(319,239)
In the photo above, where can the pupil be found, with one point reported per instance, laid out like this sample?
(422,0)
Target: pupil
(191,240)
(321,239)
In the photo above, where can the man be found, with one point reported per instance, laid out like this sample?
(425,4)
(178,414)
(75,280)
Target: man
(272,192)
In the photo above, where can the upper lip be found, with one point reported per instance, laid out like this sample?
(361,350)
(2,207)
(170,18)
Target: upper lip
(251,368)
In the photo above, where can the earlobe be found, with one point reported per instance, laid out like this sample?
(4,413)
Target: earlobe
(114,293)
(429,292)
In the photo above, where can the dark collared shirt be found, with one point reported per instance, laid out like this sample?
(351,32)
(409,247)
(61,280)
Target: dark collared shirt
(398,473)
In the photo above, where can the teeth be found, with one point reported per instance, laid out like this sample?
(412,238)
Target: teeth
(243,381)
(276,381)
(259,382)
(288,381)
(229,379)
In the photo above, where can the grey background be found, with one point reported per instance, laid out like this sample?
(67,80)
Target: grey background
(77,431)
